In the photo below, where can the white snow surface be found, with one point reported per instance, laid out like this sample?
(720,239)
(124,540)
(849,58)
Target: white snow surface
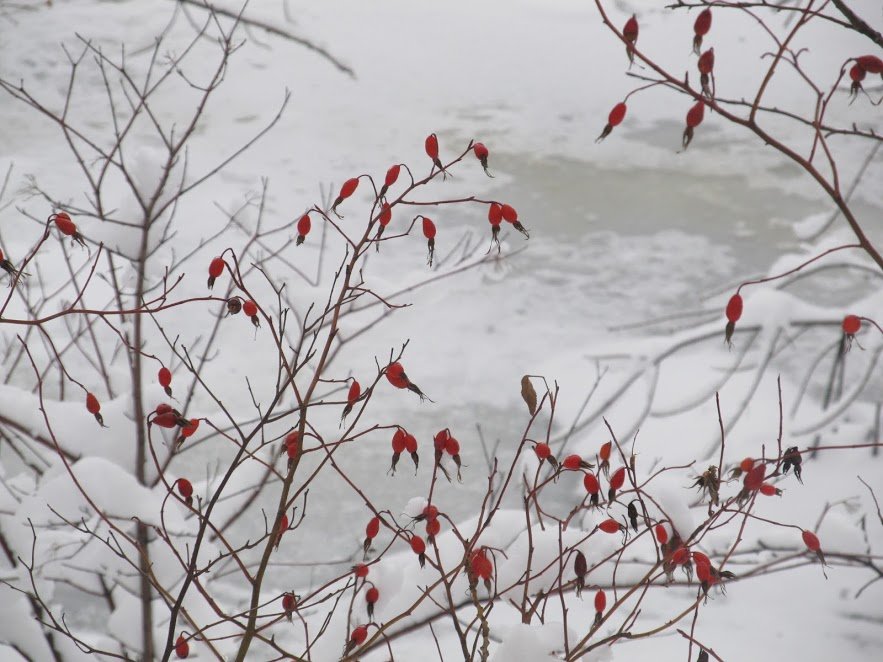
(621,231)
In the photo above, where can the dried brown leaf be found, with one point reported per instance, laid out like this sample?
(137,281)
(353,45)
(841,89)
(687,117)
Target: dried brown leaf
(529,395)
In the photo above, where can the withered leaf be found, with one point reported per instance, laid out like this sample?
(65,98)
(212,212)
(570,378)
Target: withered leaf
(529,395)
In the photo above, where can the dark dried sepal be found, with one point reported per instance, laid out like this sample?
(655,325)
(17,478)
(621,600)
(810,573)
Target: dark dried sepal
(633,516)
(728,333)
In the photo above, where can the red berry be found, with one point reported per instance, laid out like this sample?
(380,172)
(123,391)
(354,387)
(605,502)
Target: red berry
(487,568)
(480,564)
(433,526)
(417,545)
(396,376)
(604,453)
(706,62)
(630,30)
(428,228)
(373,528)
(361,570)
(441,439)
(392,175)
(291,444)
(303,228)
(609,526)
(703,571)
(216,267)
(354,392)
(600,601)
(163,408)
(630,34)
(372,595)
(617,479)
(661,533)
(67,227)
(430,512)
(429,233)
(358,635)
(289,602)
(857,74)
(590,481)
(509,213)
(185,488)
(852,324)
(349,187)
(92,404)
(281,528)
(681,556)
(182,648)
(495,214)
(431,145)
(484,568)
(811,541)
(385,215)
(168,420)
(734,308)
(543,451)
(476,562)
(696,114)
(572,462)
(701,559)
(410,443)
(304,225)
(703,23)
(747,464)
(481,153)
(511,216)
(164,377)
(617,115)
(870,63)
(250,308)
(64,223)
(189,430)
(768,490)
(398,441)
(452,446)
(754,478)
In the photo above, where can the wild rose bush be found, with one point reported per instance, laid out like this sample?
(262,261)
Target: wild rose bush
(147,478)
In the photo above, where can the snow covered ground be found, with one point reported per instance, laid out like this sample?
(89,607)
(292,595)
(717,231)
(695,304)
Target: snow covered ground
(621,231)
